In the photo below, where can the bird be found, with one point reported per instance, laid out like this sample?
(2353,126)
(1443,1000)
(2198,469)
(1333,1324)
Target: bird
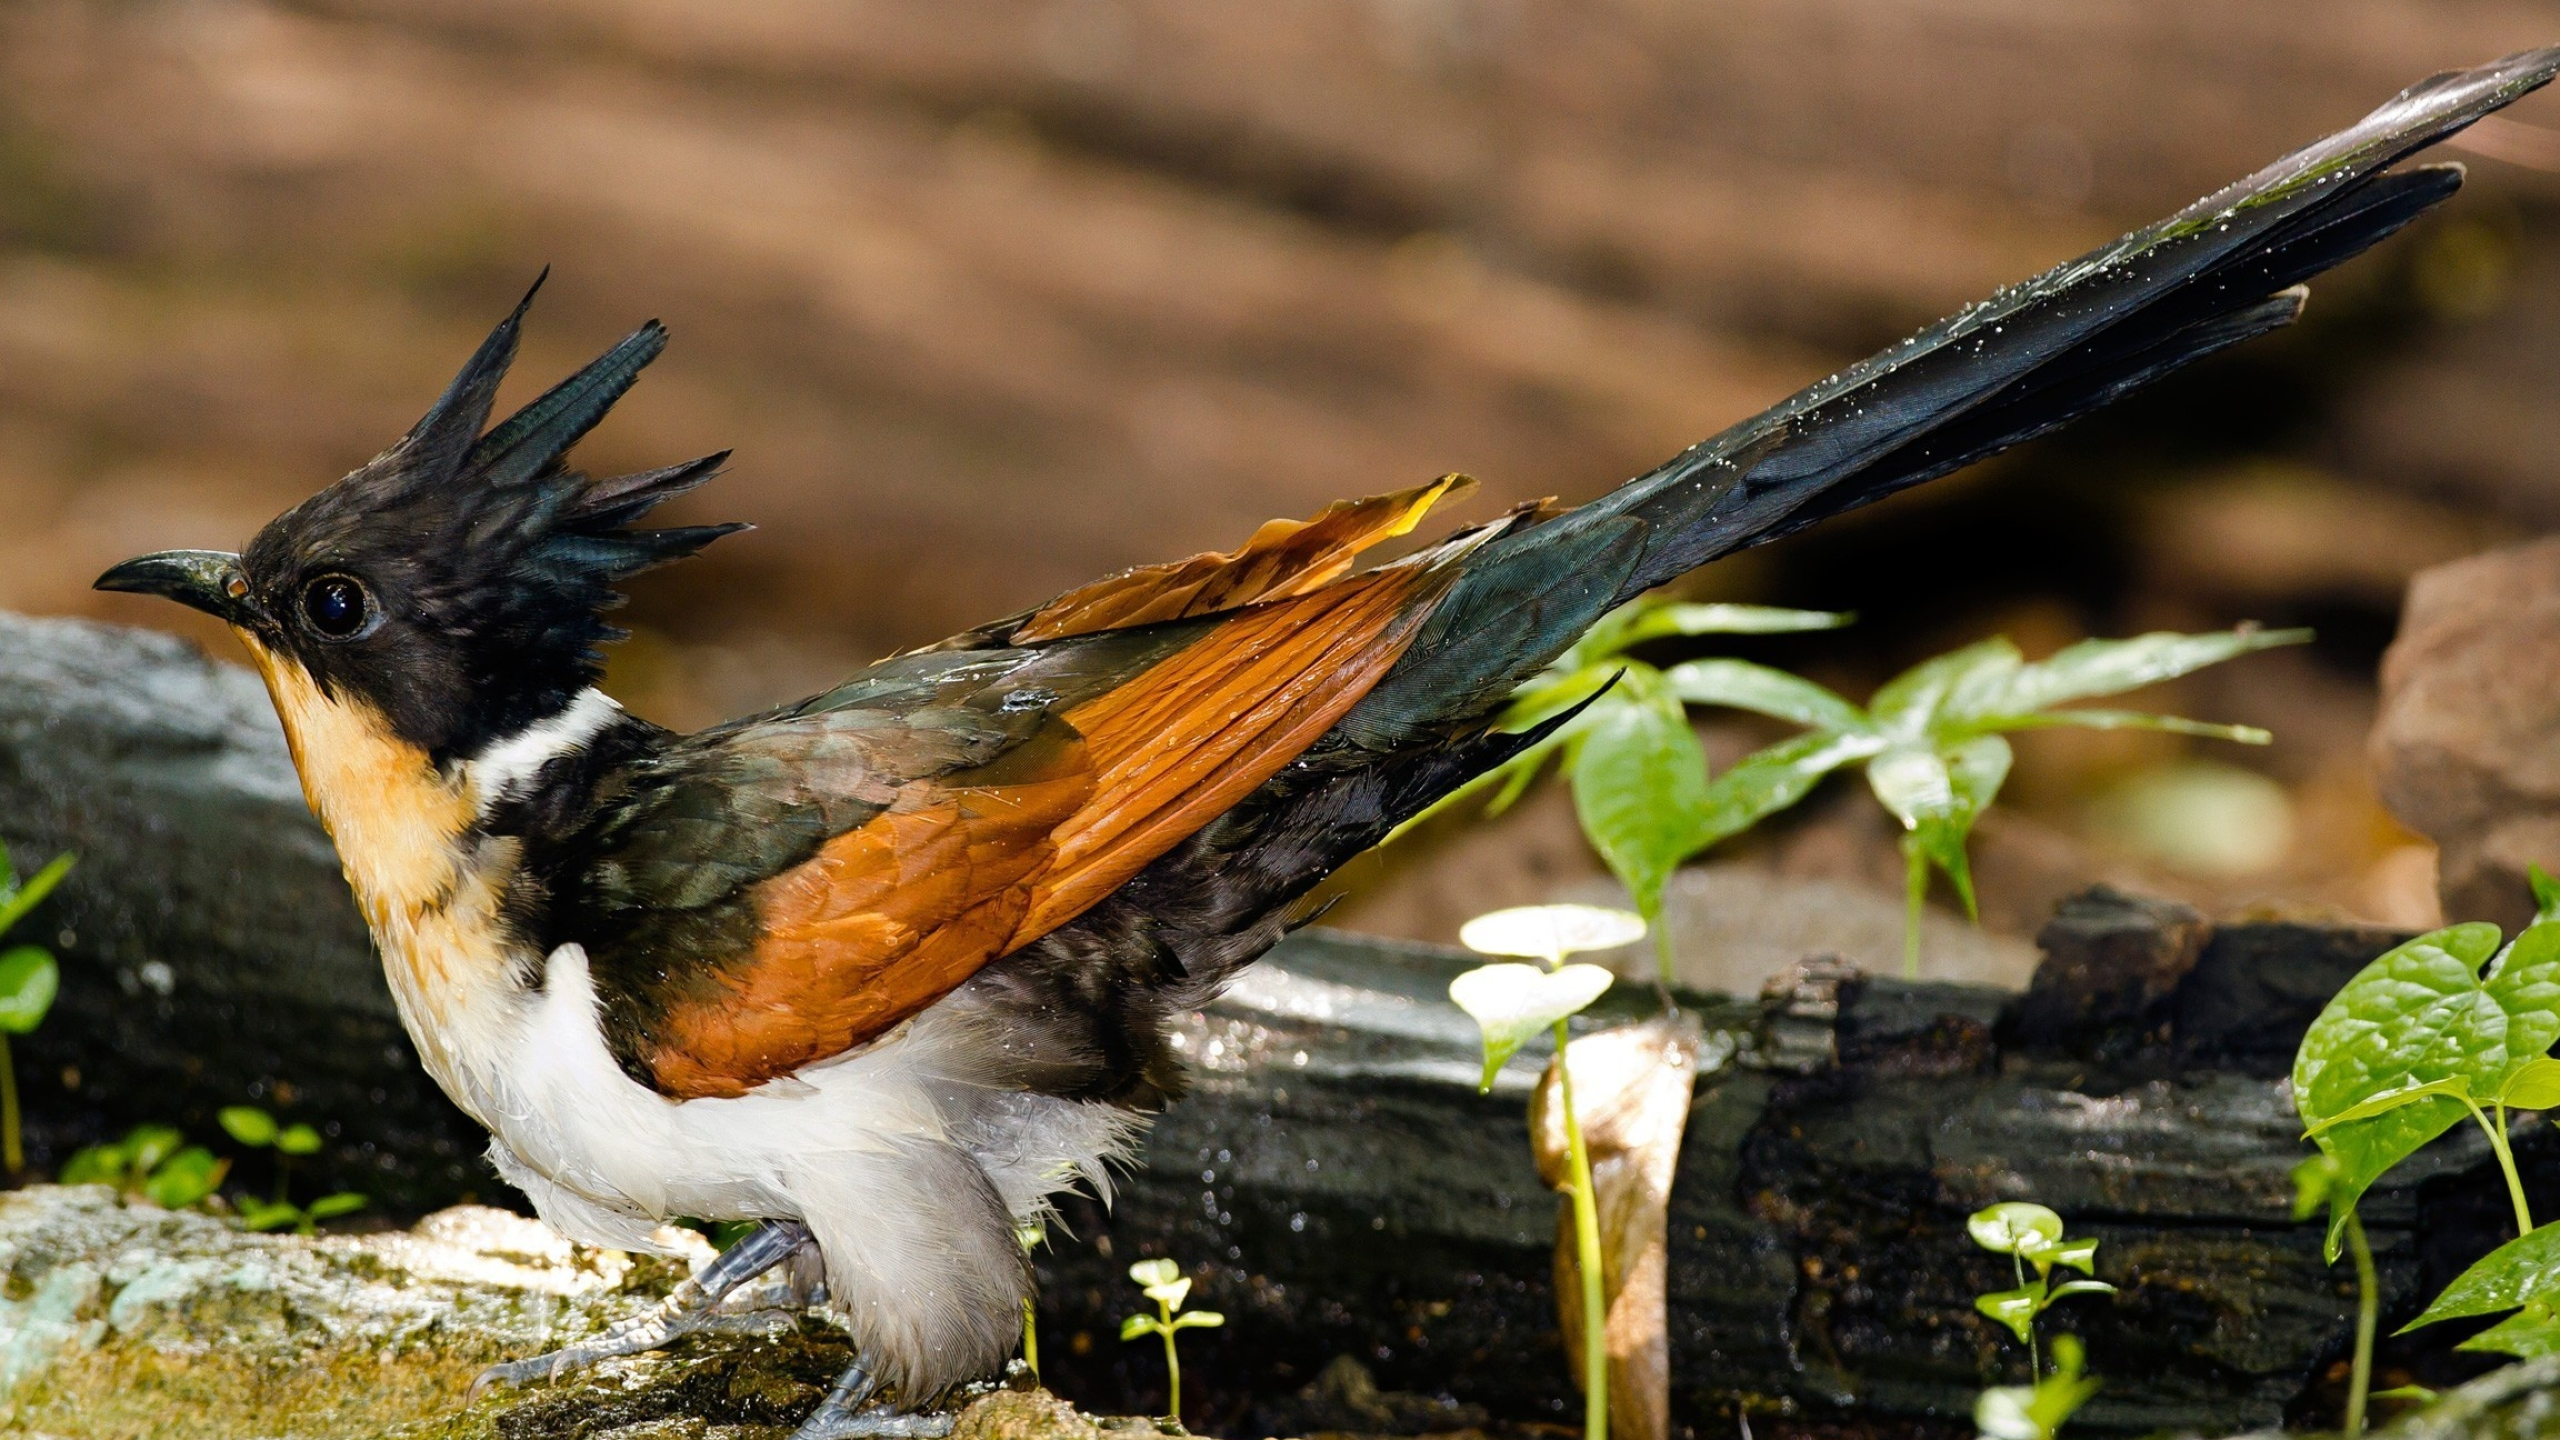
(882,972)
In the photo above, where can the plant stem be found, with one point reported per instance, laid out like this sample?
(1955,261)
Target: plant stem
(1172,1368)
(1586,1247)
(1662,958)
(2368,1314)
(12,1149)
(1915,888)
(2035,1360)
(2506,1164)
(1031,1339)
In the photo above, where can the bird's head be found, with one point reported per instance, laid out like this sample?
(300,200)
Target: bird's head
(453,586)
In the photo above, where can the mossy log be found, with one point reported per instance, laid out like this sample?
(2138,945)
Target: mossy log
(1335,1180)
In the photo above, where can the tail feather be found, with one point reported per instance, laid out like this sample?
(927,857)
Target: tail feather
(2021,363)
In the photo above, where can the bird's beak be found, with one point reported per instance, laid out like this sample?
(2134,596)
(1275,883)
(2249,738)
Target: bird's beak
(208,580)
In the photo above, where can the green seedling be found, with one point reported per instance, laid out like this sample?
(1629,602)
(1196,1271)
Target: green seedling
(2035,1412)
(2031,1235)
(1932,739)
(1031,1235)
(2313,1182)
(1511,1002)
(154,1163)
(29,980)
(1166,1285)
(1639,777)
(2447,1025)
(257,1129)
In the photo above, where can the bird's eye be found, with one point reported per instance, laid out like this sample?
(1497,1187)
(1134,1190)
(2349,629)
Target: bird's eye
(337,607)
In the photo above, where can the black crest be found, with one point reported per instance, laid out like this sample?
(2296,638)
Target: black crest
(490,560)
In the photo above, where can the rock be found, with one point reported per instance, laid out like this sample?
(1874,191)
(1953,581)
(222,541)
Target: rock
(2467,745)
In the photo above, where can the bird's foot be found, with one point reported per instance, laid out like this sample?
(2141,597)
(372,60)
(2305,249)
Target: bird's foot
(696,1304)
(849,1413)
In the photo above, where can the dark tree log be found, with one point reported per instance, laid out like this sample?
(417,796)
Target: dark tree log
(1334,1178)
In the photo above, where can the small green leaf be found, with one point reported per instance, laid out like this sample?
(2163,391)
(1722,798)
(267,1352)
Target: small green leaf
(185,1178)
(95,1165)
(298,1139)
(2021,1412)
(1640,787)
(2112,667)
(1133,1326)
(1172,1293)
(2013,1308)
(2080,1255)
(1511,1002)
(262,1215)
(2524,1270)
(343,1202)
(1767,781)
(2125,720)
(2528,1334)
(2417,1015)
(2459,1088)
(1911,705)
(1741,685)
(1653,618)
(2013,1227)
(2546,894)
(247,1124)
(2419,1394)
(28,982)
(1198,1320)
(2534,1086)
(1159,1271)
(145,1146)
(2079,1287)
(14,906)
(2314,1180)
(1550,932)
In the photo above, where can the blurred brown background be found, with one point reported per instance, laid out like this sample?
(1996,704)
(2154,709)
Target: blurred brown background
(994,297)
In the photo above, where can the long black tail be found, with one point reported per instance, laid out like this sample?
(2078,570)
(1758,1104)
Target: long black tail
(2028,359)
(2023,362)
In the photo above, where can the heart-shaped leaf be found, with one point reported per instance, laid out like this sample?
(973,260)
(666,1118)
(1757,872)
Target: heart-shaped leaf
(2014,1227)
(298,1139)
(2524,1270)
(2528,1334)
(2534,1086)
(1551,932)
(2080,1255)
(1511,1003)
(1639,785)
(2418,1016)
(344,1202)
(1159,1271)
(247,1124)
(2013,1308)
(28,982)
(1171,1293)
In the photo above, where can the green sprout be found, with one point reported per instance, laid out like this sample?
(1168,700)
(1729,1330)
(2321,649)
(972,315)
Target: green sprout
(152,1162)
(2035,1412)
(1932,739)
(29,979)
(257,1129)
(1512,1002)
(2450,1024)
(2032,1235)
(1166,1285)
(1031,1235)
(2313,1181)
(1639,776)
